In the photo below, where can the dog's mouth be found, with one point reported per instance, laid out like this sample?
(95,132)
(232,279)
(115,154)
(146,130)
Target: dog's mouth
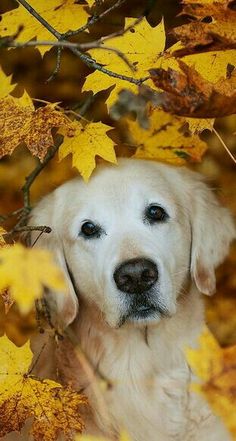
(144,313)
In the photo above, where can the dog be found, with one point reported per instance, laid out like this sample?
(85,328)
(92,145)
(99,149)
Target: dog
(138,246)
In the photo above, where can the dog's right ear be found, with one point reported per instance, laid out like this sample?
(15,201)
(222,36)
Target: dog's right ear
(63,306)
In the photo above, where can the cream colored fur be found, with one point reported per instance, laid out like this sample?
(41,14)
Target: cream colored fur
(144,361)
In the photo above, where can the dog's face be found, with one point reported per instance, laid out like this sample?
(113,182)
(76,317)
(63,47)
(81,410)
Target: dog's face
(127,239)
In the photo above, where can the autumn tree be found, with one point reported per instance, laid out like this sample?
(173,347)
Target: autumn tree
(89,81)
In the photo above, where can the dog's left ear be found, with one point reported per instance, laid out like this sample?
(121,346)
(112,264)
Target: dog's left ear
(63,307)
(212,231)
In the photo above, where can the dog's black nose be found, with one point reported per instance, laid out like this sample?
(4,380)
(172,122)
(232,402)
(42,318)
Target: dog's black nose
(136,276)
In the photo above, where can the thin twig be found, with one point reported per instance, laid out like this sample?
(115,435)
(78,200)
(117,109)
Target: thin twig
(57,67)
(121,32)
(94,19)
(5,217)
(62,44)
(29,180)
(36,239)
(224,145)
(43,228)
(84,57)
(38,17)
(94,65)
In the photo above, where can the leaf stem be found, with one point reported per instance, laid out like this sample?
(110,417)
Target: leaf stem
(94,19)
(224,145)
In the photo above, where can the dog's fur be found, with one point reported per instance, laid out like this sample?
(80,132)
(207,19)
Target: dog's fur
(144,359)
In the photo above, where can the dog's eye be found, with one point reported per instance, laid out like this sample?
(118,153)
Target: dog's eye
(155,213)
(89,229)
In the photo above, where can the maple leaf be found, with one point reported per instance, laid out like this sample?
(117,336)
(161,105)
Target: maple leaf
(187,93)
(21,123)
(216,368)
(85,143)
(55,409)
(165,140)
(5,84)
(142,46)
(61,14)
(213,26)
(33,270)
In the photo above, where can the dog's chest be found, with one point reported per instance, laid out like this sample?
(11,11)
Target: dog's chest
(149,405)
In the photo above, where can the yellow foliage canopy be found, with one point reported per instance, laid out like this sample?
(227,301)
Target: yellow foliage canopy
(34,269)
(55,409)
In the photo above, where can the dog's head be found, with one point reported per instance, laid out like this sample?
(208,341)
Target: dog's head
(130,239)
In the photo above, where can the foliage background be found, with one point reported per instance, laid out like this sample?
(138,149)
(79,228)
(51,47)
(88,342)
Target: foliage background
(30,72)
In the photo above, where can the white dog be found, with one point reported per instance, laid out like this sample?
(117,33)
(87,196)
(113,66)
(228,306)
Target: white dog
(138,245)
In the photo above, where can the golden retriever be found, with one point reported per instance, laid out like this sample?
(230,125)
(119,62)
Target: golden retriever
(138,245)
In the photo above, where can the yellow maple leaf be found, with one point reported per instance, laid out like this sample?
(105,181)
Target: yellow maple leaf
(61,14)
(21,123)
(5,84)
(26,272)
(142,46)
(85,143)
(165,140)
(55,409)
(216,369)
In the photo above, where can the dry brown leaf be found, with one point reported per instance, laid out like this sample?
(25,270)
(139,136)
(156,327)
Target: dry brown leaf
(23,124)
(188,94)
(213,26)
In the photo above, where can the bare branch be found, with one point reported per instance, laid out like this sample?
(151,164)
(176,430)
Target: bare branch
(122,31)
(94,19)
(84,57)
(94,65)
(28,228)
(40,19)
(5,217)
(31,178)
(61,44)
(57,67)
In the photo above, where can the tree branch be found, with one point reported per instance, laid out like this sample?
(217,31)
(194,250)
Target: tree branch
(38,17)
(94,19)
(84,57)
(62,44)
